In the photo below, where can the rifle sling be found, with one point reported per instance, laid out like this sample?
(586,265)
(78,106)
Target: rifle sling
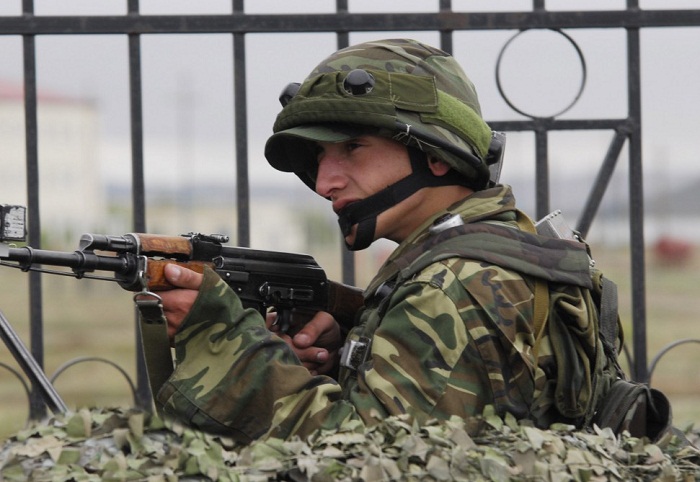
(155,343)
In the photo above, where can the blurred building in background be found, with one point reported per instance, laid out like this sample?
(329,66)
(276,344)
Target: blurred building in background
(71,196)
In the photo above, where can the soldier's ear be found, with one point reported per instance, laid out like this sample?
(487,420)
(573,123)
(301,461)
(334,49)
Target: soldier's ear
(437,166)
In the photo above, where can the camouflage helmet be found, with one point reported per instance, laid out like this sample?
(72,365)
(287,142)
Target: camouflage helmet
(401,89)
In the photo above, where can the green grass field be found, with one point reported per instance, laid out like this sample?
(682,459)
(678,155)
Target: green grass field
(94,318)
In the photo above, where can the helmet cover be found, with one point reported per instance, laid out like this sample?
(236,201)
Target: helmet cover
(412,92)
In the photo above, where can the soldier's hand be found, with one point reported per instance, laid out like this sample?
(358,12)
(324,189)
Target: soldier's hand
(316,344)
(178,302)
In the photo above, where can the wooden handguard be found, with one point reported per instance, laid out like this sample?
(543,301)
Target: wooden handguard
(156,277)
(166,245)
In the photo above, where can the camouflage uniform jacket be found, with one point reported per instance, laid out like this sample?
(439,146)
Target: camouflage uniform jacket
(455,337)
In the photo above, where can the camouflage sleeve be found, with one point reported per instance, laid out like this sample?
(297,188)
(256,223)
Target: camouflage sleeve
(233,376)
(455,338)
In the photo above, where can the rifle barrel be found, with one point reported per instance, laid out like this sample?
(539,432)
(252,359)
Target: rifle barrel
(79,261)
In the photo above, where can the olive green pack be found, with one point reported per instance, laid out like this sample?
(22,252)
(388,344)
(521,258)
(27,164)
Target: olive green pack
(589,387)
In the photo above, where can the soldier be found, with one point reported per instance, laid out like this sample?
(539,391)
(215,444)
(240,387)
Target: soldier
(391,133)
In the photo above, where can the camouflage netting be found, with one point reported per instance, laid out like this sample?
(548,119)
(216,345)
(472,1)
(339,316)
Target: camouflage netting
(121,445)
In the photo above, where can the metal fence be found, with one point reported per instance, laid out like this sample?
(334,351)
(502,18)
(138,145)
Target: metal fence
(446,21)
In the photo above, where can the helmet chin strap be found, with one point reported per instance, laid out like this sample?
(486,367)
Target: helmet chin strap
(364,213)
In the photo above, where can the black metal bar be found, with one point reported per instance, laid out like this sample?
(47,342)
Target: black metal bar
(143,396)
(542,173)
(353,22)
(347,257)
(241,128)
(550,124)
(342,36)
(138,186)
(37,409)
(446,39)
(42,389)
(136,115)
(132,7)
(636,207)
(601,182)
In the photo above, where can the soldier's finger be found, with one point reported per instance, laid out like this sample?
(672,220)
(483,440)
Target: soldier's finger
(182,277)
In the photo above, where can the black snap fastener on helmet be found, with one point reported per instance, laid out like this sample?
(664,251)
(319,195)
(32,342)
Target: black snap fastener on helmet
(358,82)
(289,92)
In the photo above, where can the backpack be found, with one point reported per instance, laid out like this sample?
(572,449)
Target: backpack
(589,386)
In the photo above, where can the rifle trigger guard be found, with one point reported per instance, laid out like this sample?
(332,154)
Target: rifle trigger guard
(151,309)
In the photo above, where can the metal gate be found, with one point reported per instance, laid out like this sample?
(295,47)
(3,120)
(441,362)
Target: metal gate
(446,21)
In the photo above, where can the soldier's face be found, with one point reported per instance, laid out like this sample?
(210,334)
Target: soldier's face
(355,169)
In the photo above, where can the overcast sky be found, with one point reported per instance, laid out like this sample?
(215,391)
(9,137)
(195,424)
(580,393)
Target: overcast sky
(187,82)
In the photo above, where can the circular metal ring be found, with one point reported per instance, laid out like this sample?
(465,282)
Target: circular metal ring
(665,350)
(522,111)
(75,361)
(19,377)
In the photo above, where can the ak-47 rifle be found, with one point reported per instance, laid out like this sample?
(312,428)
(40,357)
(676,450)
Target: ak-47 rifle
(262,279)
(289,283)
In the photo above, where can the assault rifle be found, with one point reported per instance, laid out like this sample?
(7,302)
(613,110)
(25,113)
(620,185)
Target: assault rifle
(285,282)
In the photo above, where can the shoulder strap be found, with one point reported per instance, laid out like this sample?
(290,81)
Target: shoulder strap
(541,302)
(551,259)
(608,320)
